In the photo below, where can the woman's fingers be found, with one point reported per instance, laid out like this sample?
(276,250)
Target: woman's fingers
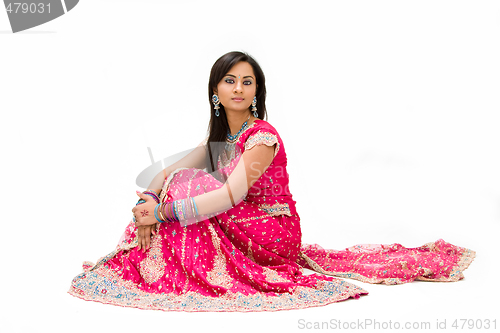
(140,236)
(144,236)
(143,239)
(150,230)
(147,239)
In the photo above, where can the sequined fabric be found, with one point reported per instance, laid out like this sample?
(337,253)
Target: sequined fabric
(240,260)
(390,264)
(250,257)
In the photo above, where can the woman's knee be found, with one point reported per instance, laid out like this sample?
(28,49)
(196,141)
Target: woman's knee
(189,182)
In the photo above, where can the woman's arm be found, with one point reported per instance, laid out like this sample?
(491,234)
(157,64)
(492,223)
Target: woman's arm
(195,159)
(253,163)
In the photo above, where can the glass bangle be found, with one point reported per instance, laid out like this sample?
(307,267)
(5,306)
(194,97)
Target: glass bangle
(160,214)
(187,208)
(192,209)
(154,197)
(175,211)
(195,208)
(156,216)
(183,205)
(171,208)
(178,210)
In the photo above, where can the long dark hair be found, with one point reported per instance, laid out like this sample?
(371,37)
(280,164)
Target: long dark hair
(219,126)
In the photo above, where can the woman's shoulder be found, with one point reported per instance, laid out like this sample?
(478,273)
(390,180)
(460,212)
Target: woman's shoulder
(261,132)
(260,125)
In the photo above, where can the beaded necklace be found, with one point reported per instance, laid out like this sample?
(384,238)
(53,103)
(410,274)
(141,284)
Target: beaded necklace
(231,139)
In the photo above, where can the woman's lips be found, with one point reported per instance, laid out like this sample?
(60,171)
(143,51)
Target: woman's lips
(237,99)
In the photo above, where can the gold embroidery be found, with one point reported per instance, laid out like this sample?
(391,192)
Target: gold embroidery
(95,286)
(457,274)
(225,161)
(219,275)
(245,219)
(183,248)
(276,209)
(273,276)
(152,267)
(260,138)
(250,253)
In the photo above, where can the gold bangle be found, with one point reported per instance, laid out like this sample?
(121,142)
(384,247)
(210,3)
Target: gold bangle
(160,212)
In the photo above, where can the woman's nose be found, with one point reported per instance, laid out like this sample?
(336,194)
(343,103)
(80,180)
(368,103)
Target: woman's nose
(238,86)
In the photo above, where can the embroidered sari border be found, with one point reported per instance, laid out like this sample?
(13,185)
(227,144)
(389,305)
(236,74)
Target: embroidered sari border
(276,209)
(262,137)
(96,286)
(466,258)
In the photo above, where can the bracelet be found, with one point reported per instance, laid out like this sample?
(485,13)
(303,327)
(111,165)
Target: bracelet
(174,211)
(167,210)
(178,210)
(160,213)
(195,208)
(161,210)
(152,192)
(188,210)
(164,209)
(183,209)
(156,214)
(153,195)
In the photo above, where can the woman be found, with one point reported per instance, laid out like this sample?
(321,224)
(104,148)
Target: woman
(229,238)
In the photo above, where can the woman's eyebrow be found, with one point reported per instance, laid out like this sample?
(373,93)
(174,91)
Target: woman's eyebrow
(243,76)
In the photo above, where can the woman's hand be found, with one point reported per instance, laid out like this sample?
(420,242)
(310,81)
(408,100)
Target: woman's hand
(145,213)
(145,221)
(144,236)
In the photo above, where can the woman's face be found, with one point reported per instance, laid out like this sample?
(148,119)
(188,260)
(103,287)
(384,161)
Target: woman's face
(237,88)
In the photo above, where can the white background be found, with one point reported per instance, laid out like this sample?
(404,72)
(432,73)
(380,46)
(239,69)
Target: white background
(389,113)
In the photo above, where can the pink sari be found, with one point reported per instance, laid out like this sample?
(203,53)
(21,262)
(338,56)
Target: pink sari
(250,258)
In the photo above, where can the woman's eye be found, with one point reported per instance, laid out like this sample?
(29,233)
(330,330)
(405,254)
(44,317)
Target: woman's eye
(230,80)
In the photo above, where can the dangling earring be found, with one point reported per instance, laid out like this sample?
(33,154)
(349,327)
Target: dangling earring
(254,107)
(215,100)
